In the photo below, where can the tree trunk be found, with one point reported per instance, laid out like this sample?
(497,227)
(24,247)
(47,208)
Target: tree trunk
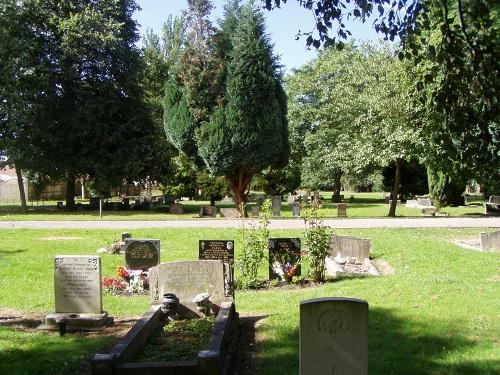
(395,189)
(70,192)
(337,185)
(238,182)
(22,192)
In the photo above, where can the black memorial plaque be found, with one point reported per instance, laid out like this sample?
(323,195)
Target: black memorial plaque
(216,250)
(141,253)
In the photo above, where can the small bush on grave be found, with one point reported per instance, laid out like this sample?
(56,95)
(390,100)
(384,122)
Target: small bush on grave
(255,242)
(316,239)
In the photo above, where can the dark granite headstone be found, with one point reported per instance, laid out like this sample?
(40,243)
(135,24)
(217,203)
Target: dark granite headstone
(284,258)
(216,250)
(141,253)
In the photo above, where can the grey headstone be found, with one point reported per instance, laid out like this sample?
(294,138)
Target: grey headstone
(255,211)
(490,241)
(141,253)
(229,212)
(176,209)
(295,209)
(187,279)
(77,284)
(208,211)
(333,337)
(126,235)
(342,247)
(411,203)
(284,252)
(424,202)
(276,204)
(342,209)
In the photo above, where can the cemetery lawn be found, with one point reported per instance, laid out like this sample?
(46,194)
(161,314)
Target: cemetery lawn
(438,314)
(361,205)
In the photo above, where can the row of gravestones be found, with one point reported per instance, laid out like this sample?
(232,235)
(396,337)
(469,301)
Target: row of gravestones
(78,295)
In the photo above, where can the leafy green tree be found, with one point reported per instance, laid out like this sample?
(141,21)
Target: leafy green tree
(227,105)
(357,107)
(454,45)
(90,115)
(22,82)
(250,132)
(445,190)
(457,59)
(413,178)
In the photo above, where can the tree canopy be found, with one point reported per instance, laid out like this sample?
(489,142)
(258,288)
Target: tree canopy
(227,106)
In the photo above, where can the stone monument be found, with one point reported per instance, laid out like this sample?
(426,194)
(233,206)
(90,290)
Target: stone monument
(141,253)
(78,294)
(333,337)
(187,279)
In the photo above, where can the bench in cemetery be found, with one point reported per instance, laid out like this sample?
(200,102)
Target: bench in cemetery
(492,207)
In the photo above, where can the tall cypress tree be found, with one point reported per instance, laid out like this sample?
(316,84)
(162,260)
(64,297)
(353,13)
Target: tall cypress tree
(249,132)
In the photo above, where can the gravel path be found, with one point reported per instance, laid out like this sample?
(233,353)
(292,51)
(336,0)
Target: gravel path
(425,222)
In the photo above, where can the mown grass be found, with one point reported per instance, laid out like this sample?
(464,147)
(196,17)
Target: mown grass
(439,313)
(360,205)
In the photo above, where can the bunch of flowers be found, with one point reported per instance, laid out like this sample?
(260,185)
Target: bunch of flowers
(290,270)
(133,281)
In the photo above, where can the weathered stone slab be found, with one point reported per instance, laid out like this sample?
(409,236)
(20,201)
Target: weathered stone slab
(490,241)
(284,258)
(176,209)
(276,204)
(333,336)
(255,211)
(411,203)
(77,284)
(216,250)
(229,212)
(295,209)
(186,279)
(428,211)
(424,202)
(208,211)
(341,209)
(141,253)
(343,247)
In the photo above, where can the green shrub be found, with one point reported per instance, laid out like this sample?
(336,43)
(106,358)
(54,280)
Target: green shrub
(255,243)
(316,238)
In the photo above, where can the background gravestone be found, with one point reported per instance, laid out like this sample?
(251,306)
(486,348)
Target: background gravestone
(276,204)
(186,279)
(333,337)
(490,241)
(342,247)
(77,284)
(141,253)
(283,254)
(341,209)
(229,212)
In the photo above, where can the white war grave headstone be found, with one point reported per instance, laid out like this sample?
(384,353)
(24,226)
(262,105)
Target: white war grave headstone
(333,337)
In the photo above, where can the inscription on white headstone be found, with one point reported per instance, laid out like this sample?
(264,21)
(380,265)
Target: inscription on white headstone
(77,283)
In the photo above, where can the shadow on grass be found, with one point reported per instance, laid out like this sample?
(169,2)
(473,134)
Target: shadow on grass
(33,352)
(4,253)
(396,347)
